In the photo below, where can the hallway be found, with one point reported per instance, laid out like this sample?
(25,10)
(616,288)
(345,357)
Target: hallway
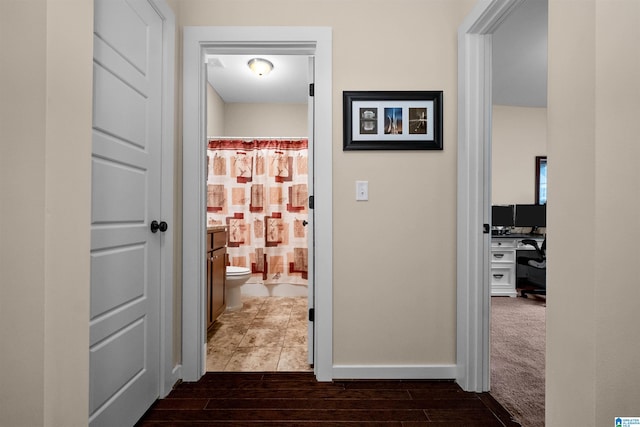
(293,399)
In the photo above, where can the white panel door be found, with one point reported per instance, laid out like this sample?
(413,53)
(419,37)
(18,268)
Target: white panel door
(124,348)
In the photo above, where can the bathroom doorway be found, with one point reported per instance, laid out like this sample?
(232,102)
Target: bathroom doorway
(257,187)
(202,41)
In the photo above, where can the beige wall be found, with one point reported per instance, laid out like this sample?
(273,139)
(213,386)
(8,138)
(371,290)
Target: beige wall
(408,225)
(215,112)
(592,346)
(265,120)
(593,371)
(570,365)
(519,134)
(254,120)
(45,158)
(261,120)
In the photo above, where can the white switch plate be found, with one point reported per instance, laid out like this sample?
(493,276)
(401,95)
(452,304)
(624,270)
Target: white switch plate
(362,190)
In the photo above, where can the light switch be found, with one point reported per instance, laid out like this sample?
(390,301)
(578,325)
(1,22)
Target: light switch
(362,190)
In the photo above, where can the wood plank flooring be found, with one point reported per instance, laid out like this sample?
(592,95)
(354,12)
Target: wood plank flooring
(286,399)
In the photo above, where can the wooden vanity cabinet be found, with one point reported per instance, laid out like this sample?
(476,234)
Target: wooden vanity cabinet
(216,273)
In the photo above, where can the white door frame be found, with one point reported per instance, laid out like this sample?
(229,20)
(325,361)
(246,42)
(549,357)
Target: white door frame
(474,190)
(169,373)
(315,41)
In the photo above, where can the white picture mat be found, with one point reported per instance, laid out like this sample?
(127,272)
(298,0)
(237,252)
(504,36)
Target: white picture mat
(380,106)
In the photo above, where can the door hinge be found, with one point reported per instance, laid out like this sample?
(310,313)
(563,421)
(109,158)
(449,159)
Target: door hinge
(487,229)
(311,89)
(311,203)
(312,315)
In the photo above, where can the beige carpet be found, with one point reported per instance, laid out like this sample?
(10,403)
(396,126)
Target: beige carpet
(518,357)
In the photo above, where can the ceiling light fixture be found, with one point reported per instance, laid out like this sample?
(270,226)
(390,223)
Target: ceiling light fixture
(260,66)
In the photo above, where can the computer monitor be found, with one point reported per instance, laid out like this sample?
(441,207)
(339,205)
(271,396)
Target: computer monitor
(502,215)
(531,216)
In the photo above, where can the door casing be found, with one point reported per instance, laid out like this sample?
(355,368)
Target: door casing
(474,191)
(169,371)
(309,41)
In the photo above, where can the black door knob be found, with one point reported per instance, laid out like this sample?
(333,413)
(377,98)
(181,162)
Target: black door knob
(304,223)
(155,226)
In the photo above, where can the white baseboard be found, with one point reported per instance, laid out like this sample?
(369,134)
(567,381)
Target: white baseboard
(176,374)
(399,372)
(171,380)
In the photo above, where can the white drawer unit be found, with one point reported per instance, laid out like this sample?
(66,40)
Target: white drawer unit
(503,281)
(503,263)
(503,267)
(503,242)
(507,256)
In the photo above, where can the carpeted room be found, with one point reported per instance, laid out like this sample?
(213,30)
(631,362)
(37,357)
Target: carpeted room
(518,333)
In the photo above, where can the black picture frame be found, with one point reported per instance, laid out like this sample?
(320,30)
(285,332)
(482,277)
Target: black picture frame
(392,120)
(541,180)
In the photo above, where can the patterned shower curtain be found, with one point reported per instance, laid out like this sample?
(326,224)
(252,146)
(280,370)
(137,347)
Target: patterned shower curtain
(258,188)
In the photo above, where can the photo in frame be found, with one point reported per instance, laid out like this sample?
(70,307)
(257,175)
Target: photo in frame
(392,120)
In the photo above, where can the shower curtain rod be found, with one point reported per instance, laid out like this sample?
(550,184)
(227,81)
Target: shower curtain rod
(292,138)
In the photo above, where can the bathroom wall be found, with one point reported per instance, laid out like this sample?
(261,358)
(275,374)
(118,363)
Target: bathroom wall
(215,112)
(266,120)
(254,120)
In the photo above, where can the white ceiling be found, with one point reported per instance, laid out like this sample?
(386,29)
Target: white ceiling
(519,67)
(231,77)
(520,57)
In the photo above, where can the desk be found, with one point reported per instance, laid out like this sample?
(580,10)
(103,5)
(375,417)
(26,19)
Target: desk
(504,257)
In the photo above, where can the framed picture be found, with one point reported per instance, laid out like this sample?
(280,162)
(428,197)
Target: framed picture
(541,180)
(392,120)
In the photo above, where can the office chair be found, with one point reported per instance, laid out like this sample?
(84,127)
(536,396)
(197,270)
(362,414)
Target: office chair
(535,269)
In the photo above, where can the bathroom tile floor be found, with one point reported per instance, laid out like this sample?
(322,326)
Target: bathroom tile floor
(267,334)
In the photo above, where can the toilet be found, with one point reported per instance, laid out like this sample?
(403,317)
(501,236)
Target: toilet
(235,278)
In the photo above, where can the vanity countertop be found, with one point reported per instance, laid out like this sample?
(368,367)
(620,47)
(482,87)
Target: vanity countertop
(215,228)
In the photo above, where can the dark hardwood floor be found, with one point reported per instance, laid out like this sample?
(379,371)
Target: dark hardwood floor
(286,399)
